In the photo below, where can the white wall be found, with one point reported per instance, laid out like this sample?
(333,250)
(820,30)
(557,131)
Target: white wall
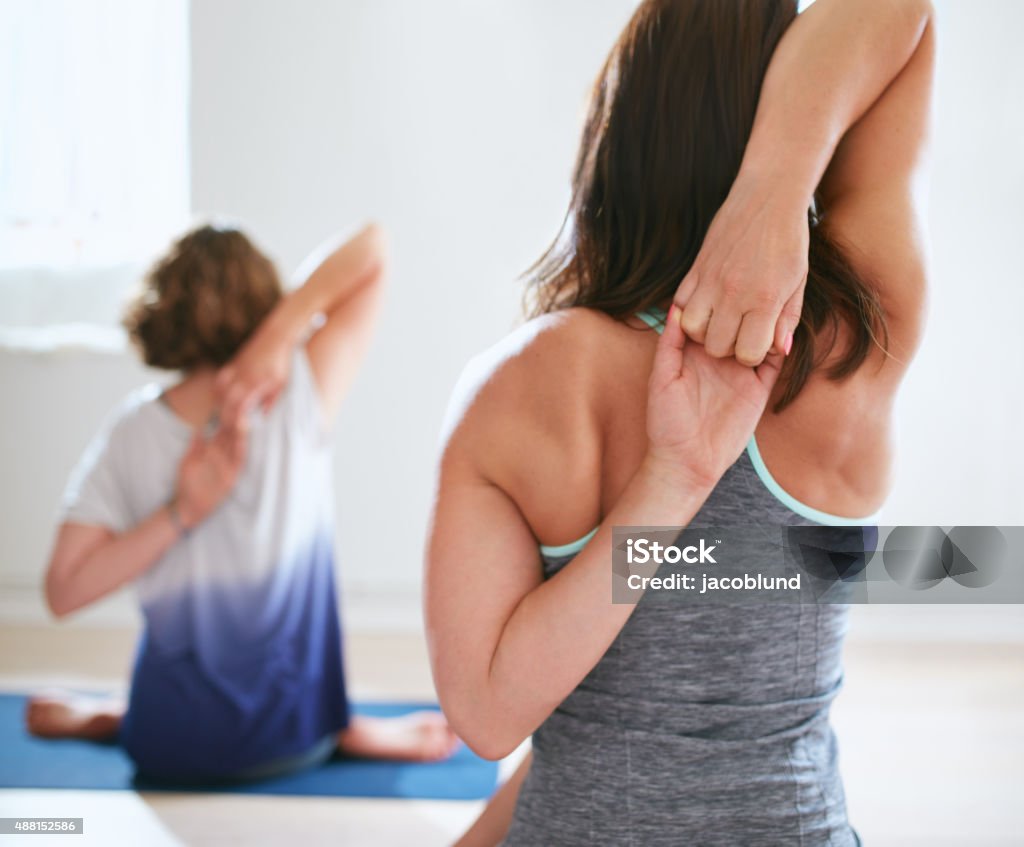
(962,411)
(455,123)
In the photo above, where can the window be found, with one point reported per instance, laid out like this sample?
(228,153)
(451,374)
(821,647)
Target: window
(93,130)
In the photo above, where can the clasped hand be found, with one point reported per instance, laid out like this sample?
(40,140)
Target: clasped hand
(726,335)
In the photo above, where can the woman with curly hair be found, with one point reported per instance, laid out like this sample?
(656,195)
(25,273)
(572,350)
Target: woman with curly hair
(222,520)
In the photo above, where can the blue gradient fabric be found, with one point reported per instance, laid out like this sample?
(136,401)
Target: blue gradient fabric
(241,661)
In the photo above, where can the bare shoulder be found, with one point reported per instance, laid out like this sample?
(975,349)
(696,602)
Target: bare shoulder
(541,368)
(526,413)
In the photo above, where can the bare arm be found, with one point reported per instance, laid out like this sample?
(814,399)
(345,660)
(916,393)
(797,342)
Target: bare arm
(831,67)
(874,195)
(492,825)
(340,280)
(506,646)
(88,562)
(833,64)
(872,190)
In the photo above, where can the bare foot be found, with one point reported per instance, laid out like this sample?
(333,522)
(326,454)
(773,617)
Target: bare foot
(63,715)
(416,737)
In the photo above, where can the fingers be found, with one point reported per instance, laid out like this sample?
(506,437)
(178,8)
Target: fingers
(225,376)
(235,448)
(239,401)
(668,354)
(768,371)
(231,404)
(270,399)
(240,440)
(755,337)
(789,319)
(731,325)
(223,458)
(697,315)
(231,441)
(686,289)
(195,446)
(720,337)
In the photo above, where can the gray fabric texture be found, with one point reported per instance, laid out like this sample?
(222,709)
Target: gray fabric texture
(703,724)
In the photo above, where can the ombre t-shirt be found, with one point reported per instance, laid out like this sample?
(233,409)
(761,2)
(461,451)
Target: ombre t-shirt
(240,664)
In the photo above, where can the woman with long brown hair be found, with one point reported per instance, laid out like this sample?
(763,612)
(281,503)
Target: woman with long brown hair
(718,337)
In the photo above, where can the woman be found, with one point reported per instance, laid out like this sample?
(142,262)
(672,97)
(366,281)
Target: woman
(226,530)
(712,130)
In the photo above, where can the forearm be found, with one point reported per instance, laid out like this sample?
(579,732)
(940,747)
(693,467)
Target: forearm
(561,629)
(329,277)
(832,64)
(492,826)
(108,566)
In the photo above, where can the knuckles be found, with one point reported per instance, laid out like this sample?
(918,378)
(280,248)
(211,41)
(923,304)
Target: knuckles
(749,359)
(718,350)
(751,290)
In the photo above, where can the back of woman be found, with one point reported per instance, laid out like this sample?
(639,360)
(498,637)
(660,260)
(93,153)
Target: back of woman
(240,619)
(771,166)
(213,497)
(698,712)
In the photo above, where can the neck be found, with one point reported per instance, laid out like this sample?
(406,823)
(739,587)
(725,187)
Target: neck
(193,398)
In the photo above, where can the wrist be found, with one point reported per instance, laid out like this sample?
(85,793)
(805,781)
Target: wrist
(771,187)
(784,165)
(668,473)
(182,517)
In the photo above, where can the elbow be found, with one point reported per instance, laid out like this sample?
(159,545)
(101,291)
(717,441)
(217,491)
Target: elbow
(373,232)
(57,600)
(910,18)
(924,13)
(58,605)
(919,10)
(486,743)
(375,238)
(489,738)
(381,263)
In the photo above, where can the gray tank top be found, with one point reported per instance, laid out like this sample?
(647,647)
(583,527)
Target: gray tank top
(702,724)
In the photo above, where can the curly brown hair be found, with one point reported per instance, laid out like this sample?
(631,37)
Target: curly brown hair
(202,300)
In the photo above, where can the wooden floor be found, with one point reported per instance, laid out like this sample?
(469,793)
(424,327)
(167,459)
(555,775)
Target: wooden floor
(931,739)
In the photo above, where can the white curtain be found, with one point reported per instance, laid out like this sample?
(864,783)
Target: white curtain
(93,129)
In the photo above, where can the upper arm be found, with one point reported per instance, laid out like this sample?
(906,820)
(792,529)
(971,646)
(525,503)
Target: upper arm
(514,449)
(482,560)
(337,348)
(482,557)
(874,191)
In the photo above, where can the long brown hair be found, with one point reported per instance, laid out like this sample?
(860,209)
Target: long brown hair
(669,119)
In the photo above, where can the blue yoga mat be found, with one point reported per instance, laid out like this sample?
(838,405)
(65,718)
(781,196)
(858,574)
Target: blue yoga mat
(27,762)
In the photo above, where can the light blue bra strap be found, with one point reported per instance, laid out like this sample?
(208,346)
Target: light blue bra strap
(654,318)
(570,549)
(798,506)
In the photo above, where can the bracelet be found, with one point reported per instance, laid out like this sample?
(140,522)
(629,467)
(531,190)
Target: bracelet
(175,513)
